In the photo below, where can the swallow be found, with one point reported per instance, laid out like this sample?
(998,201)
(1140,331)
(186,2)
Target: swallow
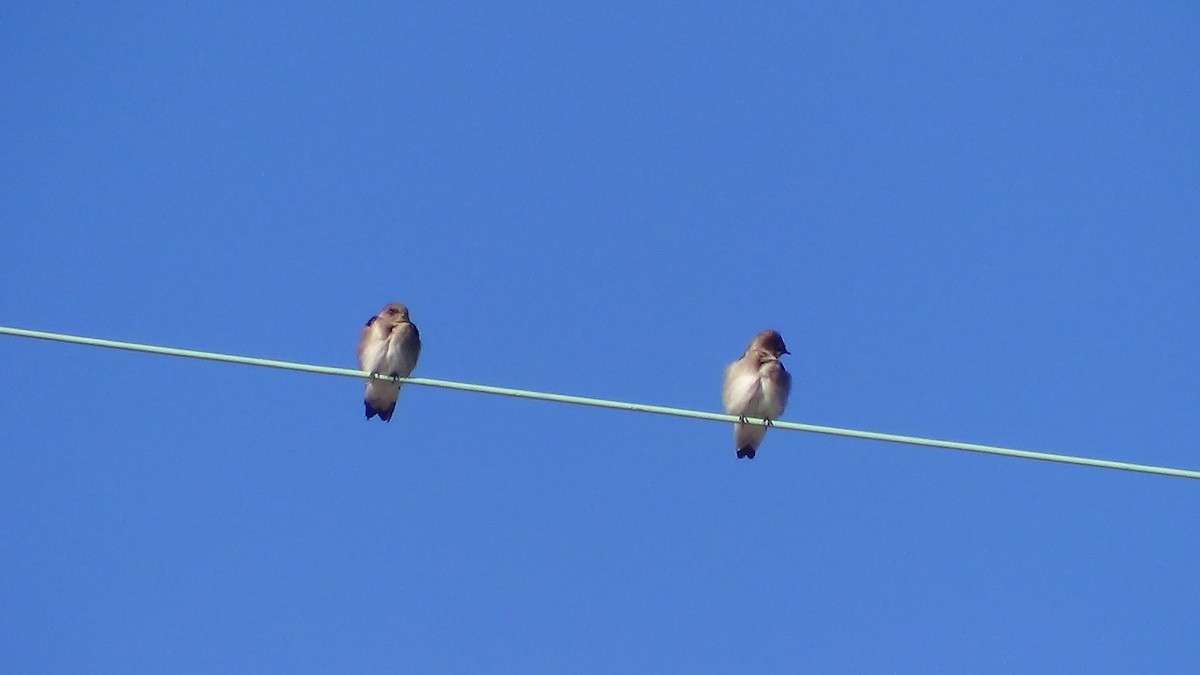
(389,345)
(756,385)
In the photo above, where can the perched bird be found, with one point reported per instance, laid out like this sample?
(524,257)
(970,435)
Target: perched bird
(389,345)
(756,385)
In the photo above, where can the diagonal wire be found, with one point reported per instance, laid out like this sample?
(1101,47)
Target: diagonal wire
(602,403)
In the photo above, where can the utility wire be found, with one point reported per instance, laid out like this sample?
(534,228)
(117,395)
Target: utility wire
(601,403)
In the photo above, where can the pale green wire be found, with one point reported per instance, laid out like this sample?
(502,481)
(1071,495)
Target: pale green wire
(602,403)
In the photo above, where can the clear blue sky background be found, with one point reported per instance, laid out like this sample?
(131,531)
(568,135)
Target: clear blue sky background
(974,222)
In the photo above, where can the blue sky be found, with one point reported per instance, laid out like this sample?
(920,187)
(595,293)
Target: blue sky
(968,222)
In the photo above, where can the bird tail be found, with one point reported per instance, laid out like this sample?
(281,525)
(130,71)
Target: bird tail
(385,413)
(380,399)
(747,438)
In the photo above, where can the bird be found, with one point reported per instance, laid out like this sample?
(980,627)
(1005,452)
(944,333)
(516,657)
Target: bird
(389,345)
(756,385)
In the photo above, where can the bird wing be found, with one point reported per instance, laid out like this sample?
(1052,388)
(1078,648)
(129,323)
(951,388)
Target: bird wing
(369,346)
(741,387)
(405,349)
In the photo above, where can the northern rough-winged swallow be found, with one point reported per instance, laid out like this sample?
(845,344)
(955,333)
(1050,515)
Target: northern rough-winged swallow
(756,385)
(389,345)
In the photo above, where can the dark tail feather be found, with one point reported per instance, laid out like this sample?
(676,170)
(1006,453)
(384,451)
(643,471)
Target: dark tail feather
(385,414)
(747,452)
